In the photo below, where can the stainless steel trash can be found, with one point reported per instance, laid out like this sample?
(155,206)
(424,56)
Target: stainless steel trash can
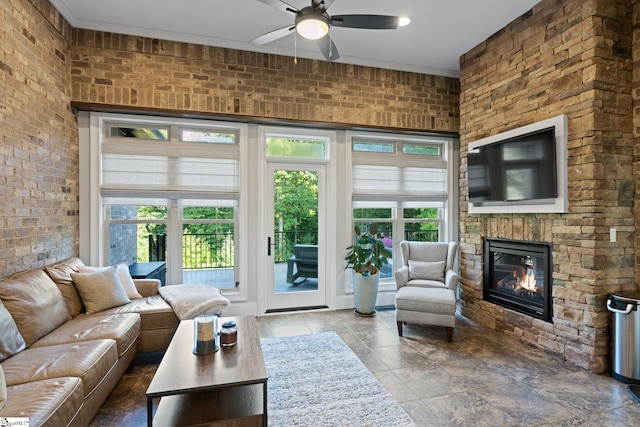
(625,336)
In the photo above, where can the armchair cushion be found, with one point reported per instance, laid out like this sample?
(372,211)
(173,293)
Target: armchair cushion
(426,270)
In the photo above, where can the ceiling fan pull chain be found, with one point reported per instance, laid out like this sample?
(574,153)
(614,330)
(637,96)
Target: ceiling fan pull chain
(295,47)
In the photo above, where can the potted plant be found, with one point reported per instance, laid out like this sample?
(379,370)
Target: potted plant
(365,257)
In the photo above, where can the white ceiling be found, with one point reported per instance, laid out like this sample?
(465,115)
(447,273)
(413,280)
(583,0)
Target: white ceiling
(440,30)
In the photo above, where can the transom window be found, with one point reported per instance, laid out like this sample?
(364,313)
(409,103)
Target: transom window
(304,147)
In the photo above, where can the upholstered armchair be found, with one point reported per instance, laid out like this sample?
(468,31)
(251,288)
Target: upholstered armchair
(427,285)
(427,265)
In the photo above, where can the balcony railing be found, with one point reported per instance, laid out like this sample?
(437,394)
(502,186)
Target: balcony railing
(216,250)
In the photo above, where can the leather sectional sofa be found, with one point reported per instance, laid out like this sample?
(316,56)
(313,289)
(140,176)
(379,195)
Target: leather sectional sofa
(58,364)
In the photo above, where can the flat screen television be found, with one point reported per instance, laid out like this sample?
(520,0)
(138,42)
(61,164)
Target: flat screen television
(515,169)
(522,170)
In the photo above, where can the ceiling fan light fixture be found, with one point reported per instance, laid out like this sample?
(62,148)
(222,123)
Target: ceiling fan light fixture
(404,21)
(312,27)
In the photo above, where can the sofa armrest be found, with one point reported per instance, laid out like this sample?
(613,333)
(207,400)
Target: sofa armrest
(451,280)
(147,287)
(402,276)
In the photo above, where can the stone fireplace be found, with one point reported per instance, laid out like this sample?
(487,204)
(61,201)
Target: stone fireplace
(585,63)
(517,275)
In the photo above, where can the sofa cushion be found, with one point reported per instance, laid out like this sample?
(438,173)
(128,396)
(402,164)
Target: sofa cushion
(123,328)
(35,303)
(11,341)
(122,270)
(48,403)
(3,389)
(426,270)
(91,361)
(100,289)
(60,273)
(155,312)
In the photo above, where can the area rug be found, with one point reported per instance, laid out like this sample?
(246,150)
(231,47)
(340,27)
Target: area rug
(316,380)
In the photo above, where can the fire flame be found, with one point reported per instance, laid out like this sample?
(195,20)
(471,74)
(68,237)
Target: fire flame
(525,279)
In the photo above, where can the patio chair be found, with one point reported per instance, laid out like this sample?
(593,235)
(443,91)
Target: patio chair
(305,259)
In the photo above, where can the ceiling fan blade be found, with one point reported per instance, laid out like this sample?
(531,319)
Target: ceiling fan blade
(328,48)
(373,22)
(326,4)
(273,35)
(280,5)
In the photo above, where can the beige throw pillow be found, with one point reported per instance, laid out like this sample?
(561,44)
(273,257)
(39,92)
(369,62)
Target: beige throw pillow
(426,270)
(122,270)
(100,290)
(3,389)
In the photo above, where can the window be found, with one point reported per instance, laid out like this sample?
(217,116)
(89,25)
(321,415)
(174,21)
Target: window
(383,218)
(209,244)
(288,146)
(401,185)
(374,147)
(140,233)
(175,202)
(140,132)
(137,233)
(209,136)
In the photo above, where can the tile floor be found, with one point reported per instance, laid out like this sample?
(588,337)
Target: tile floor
(481,378)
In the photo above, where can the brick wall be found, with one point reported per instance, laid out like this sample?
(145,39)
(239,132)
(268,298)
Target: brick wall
(43,61)
(559,59)
(139,73)
(38,138)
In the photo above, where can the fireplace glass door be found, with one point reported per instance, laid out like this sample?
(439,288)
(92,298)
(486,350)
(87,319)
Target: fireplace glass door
(517,275)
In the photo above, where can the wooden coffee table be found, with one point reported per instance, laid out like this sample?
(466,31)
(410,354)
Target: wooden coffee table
(228,387)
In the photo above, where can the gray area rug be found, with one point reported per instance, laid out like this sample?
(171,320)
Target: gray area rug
(316,380)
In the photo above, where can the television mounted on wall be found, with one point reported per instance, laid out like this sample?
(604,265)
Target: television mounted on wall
(520,171)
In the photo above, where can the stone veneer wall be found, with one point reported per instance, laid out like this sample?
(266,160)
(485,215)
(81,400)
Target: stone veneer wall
(560,58)
(128,72)
(636,122)
(38,138)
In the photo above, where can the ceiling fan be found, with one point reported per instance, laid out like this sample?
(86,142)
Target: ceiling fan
(313,23)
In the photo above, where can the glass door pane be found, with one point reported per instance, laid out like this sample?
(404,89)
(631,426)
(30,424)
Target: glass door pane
(295,229)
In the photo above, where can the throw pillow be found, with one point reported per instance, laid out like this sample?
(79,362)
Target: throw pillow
(426,270)
(122,270)
(3,389)
(11,342)
(100,290)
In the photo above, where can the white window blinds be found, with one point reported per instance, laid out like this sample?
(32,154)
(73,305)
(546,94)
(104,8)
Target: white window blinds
(397,177)
(398,183)
(170,169)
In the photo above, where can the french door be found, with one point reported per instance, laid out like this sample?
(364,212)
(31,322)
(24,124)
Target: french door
(295,225)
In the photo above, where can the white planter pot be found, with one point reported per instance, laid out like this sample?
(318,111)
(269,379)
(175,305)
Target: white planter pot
(365,293)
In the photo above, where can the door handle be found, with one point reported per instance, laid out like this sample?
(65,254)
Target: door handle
(269,244)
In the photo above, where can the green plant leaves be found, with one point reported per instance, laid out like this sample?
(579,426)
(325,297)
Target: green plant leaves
(368,253)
